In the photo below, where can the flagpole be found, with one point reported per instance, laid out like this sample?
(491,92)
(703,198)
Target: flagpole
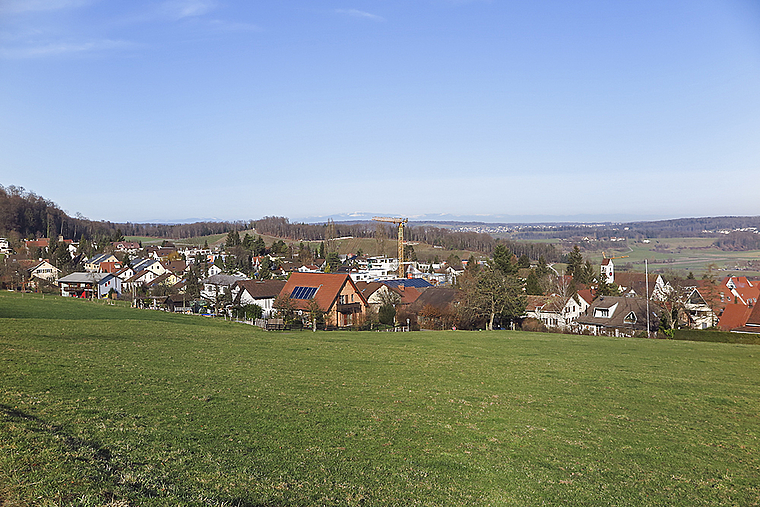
(646,271)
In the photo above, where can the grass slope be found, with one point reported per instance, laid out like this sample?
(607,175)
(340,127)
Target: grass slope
(109,405)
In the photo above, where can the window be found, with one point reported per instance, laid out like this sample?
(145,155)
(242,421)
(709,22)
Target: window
(602,312)
(630,318)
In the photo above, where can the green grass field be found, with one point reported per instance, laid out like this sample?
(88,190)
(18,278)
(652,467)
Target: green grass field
(105,405)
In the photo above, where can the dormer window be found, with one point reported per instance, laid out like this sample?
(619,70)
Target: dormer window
(602,313)
(630,318)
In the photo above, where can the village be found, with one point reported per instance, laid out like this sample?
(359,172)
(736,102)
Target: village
(355,291)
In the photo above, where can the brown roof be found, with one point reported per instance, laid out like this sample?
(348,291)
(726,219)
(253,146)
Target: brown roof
(437,297)
(261,289)
(625,305)
(175,267)
(636,282)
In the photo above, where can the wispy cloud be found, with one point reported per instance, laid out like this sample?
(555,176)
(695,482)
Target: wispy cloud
(179,9)
(227,26)
(64,48)
(22,6)
(359,14)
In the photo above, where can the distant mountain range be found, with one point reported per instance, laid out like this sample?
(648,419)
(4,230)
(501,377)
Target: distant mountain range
(483,219)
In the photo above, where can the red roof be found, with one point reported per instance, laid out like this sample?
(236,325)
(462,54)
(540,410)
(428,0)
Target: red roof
(328,285)
(734,316)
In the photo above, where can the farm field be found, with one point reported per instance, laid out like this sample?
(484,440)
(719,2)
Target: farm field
(106,405)
(683,255)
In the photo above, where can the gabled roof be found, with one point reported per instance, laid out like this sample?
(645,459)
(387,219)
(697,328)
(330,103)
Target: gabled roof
(734,316)
(175,266)
(226,280)
(98,258)
(636,282)
(753,322)
(623,307)
(138,277)
(81,277)
(328,287)
(160,279)
(438,297)
(260,289)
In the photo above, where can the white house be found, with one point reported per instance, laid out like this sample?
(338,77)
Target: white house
(5,246)
(556,311)
(257,292)
(88,285)
(45,271)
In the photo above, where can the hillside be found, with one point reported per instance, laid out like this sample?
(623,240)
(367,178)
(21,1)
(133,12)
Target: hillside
(108,405)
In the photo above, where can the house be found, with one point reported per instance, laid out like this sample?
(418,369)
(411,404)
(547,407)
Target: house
(556,311)
(257,292)
(109,267)
(436,307)
(130,247)
(740,289)
(734,316)
(125,273)
(5,246)
(619,316)
(140,279)
(45,271)
(377,292)
(697,314)
(168,279)
(335,293)
(641,285)
(93,263)
(176,267)
(753,322)
(152,265)
(215,286)
(89,285)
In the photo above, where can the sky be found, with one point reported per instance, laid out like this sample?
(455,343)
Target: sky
(172,110)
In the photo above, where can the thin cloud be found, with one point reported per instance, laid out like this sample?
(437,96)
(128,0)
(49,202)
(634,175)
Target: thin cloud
(355,13)
(64,48)
(227,26)
(22,6)
(179,9)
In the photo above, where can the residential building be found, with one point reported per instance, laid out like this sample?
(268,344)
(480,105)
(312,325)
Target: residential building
(335,293)
(619,316)
(257,292)
(45,271)
(89,285)
(560,312)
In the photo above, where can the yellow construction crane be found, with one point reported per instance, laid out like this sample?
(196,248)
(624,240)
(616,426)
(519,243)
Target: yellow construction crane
(605,257)
(400,222)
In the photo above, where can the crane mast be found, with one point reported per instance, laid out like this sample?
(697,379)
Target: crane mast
(400,222)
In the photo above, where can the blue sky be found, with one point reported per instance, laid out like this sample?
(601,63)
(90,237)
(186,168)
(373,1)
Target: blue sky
(143,111)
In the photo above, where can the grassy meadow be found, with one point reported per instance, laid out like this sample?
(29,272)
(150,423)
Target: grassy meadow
(106,405)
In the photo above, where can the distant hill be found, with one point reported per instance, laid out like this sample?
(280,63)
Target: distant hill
(24,214)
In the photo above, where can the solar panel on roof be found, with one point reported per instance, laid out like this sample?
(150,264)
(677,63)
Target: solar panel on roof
(303,292)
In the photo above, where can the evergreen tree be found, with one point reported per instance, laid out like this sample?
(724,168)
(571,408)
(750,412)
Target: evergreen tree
(233,239)
(523,261)
(503,260)
(574,262)
(533,285)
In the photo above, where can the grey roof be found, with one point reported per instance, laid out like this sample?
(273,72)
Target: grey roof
(83,277)
(220,279)
(97,258)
